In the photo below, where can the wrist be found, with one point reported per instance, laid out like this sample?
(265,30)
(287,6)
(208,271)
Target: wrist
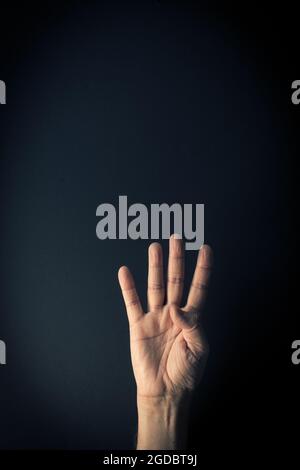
(162,421)
(163,403)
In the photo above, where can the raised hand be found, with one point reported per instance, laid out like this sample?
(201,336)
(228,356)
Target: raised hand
(168,349)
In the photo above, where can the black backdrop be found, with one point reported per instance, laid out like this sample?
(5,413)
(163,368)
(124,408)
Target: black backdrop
(164,102)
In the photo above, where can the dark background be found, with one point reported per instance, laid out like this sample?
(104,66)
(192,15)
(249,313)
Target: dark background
(164,102)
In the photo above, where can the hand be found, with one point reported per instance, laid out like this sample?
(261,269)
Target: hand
(168,349)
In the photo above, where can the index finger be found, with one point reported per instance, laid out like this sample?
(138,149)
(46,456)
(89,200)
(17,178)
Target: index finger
(130,295)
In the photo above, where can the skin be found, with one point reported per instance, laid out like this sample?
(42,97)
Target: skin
(167,344)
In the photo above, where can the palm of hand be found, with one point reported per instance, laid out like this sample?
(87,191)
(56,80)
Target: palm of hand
(168,350)
(162,363)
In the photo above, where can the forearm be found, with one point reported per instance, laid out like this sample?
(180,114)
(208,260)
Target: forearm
(162,422)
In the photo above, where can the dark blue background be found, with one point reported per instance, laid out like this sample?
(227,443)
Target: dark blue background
(163,102)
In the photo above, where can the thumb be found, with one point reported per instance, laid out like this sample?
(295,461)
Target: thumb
(183,320)
(191,330)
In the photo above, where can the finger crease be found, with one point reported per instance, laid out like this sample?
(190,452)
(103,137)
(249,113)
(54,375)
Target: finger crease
(175,280)
(132,302)
(199,286)
(207,268)
(155,287)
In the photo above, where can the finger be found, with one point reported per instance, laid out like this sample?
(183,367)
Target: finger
(175,271)
(191,330)
(156,288)
(130,296)
(183,320)
(199,286)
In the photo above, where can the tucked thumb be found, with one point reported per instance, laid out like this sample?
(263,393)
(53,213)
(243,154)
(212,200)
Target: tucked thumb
(183,320)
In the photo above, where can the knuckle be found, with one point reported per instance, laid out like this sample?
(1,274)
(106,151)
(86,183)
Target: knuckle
(131,302)
(200,285)
(175,279)
(155,286)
